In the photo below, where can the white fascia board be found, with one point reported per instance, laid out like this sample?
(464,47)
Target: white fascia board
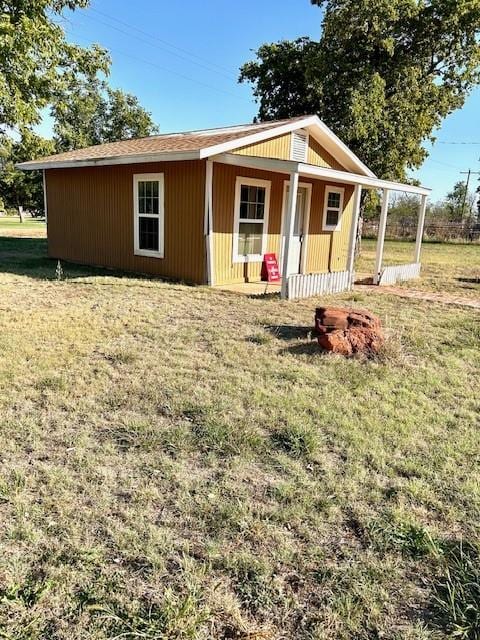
(311,171)
(323,130)
(256,162)
(366,181)
(224,147)
(101,162)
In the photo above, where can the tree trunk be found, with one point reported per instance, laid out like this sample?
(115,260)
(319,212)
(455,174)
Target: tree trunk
(20,213)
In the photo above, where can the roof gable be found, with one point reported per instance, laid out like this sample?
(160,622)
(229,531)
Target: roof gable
(315,127)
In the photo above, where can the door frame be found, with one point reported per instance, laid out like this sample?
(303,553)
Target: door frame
(306,222)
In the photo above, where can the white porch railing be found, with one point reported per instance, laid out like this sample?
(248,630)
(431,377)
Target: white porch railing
(313,284)
(397,273)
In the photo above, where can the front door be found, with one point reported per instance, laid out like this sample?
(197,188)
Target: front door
(295,257)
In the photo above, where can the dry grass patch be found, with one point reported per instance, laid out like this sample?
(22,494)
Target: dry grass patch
(452,268)
(182,463)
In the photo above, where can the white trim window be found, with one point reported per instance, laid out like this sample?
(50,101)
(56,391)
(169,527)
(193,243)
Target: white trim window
(333,208)
(148,207)
(252,203)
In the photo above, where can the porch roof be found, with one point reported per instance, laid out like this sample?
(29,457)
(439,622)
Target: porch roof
(312,171)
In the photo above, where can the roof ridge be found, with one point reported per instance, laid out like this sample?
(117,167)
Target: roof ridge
(213,130)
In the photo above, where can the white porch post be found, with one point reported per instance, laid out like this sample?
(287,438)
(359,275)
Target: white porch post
(353,231)
(381,236)
(421,222)
(208,220)
(288,229)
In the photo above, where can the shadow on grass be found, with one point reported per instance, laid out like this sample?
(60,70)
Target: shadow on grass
(29,257)
(302,339)
(469,280)
(311,348)
(289,332)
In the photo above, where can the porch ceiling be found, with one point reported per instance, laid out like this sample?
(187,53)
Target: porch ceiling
(312,171)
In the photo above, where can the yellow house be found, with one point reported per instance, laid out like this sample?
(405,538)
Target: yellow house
(206,206)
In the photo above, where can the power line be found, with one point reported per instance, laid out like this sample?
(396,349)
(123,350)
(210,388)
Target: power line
(445,164)
(162,68)
(203,61)
(459,142)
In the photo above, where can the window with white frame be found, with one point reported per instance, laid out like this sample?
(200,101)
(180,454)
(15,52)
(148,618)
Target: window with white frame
(252,201)
(333,208)
(148,208)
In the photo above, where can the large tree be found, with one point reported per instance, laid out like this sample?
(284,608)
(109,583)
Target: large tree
(36,61)
(39,69)
(95,113)
(383,75)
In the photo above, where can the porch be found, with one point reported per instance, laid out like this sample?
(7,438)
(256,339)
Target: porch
(303,281)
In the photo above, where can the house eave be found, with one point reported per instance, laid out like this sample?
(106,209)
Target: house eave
(115,160)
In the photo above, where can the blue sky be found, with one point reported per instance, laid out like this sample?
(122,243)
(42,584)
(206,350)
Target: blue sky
(182,59)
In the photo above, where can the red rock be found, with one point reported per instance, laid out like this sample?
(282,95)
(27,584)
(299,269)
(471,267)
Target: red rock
(348,331)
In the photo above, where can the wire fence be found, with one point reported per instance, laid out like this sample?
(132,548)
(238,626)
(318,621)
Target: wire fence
(443,232)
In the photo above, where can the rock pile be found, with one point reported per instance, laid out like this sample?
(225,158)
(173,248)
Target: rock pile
(348,331)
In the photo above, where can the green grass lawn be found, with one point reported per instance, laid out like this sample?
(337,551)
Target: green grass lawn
(449,267)
(177,462)
(11,225)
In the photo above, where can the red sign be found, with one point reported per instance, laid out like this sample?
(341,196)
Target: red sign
(271,267)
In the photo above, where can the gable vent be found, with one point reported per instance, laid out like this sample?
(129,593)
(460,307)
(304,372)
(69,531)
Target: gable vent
(299,146)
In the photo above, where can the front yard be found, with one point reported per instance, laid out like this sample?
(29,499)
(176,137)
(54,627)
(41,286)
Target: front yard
(178,462)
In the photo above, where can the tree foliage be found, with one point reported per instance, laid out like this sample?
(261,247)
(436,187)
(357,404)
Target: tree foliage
(383,75)
(22,188)
(96,113)
(460,203)
(40,70)
(36,61)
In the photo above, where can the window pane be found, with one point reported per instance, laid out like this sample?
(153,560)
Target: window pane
(332,217)
(334,199)
(244,193)
(148,233)
(148,196)
(243,209)
(249,238)
(252,194)
(252,203)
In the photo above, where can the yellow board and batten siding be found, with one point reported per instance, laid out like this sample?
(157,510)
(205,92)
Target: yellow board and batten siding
(224,179)
(279,148)
(326,250)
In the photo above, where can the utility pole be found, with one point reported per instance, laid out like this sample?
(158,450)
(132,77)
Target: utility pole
(468,173)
